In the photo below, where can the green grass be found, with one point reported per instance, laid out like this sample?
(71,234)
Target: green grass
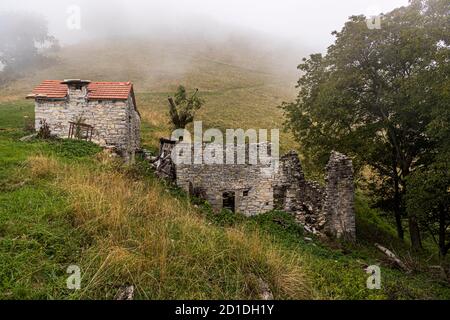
(223,110)
(37,242)
(78,207)
(63,203)
(337,271)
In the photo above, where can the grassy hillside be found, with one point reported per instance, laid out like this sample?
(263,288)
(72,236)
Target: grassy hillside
(241,83)
(65,202)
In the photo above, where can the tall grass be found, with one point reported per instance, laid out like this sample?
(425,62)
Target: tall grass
(140,235)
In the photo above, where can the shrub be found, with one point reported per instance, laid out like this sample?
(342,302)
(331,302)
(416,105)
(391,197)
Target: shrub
(44,130)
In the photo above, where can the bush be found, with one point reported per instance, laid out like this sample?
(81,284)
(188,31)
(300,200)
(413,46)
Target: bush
(44,130)
(225,218)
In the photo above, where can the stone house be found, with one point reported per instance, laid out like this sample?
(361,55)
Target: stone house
(105,112)
(256,188)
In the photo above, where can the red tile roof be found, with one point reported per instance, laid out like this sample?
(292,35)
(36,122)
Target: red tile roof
(56,89)
(109,90)
(50,89)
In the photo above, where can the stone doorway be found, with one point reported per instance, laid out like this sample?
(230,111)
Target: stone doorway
(279,197)
(229,201)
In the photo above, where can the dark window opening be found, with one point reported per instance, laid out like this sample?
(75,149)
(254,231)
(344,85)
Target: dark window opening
(229,201)
(245,193)
(279,197)
(191,189)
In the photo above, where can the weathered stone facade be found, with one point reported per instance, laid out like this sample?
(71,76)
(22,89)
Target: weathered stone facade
(247,187)
(253,189)
(339,197)
(114,118)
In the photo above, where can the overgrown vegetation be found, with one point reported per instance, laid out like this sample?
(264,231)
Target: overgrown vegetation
(381,96)
(125,229)
(64,203)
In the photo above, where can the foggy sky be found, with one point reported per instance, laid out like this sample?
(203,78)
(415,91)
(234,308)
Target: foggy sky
(305,23)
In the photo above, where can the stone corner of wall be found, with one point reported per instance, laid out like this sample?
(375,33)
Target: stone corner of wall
(339,197)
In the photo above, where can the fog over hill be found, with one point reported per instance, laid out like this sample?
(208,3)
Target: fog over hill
(158,41)
(303,23)
(241,54)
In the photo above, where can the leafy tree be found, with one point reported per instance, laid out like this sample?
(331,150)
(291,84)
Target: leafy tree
(428,198)
(370,97)
(183,107)
(428,194)
(21,34)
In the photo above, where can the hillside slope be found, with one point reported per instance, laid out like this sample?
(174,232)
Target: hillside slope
(242,83)
(63,203)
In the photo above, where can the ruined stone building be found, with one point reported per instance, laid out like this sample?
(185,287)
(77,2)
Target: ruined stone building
(102,112)
(253,189)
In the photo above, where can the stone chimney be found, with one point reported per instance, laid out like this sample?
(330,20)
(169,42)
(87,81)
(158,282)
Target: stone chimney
(77,89)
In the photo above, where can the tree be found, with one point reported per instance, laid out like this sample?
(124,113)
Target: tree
(428,198)
(183,107)
(367,97)
(21,34)
(428,195)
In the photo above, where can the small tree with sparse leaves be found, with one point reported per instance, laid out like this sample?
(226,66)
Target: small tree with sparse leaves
(183,107)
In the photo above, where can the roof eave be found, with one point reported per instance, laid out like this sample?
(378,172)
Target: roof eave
(43,97)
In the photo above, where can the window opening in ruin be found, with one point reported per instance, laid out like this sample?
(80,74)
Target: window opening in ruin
(246,192)
(191,189)
(229,201)
(279,197)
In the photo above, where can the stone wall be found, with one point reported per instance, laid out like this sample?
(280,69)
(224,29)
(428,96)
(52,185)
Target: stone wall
(116,123)
(303,198)
(339,197)
(251,185)
(257,188)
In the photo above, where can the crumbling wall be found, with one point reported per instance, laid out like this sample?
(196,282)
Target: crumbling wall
(257,189)
(339,197)
(303,198)
(249,184)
